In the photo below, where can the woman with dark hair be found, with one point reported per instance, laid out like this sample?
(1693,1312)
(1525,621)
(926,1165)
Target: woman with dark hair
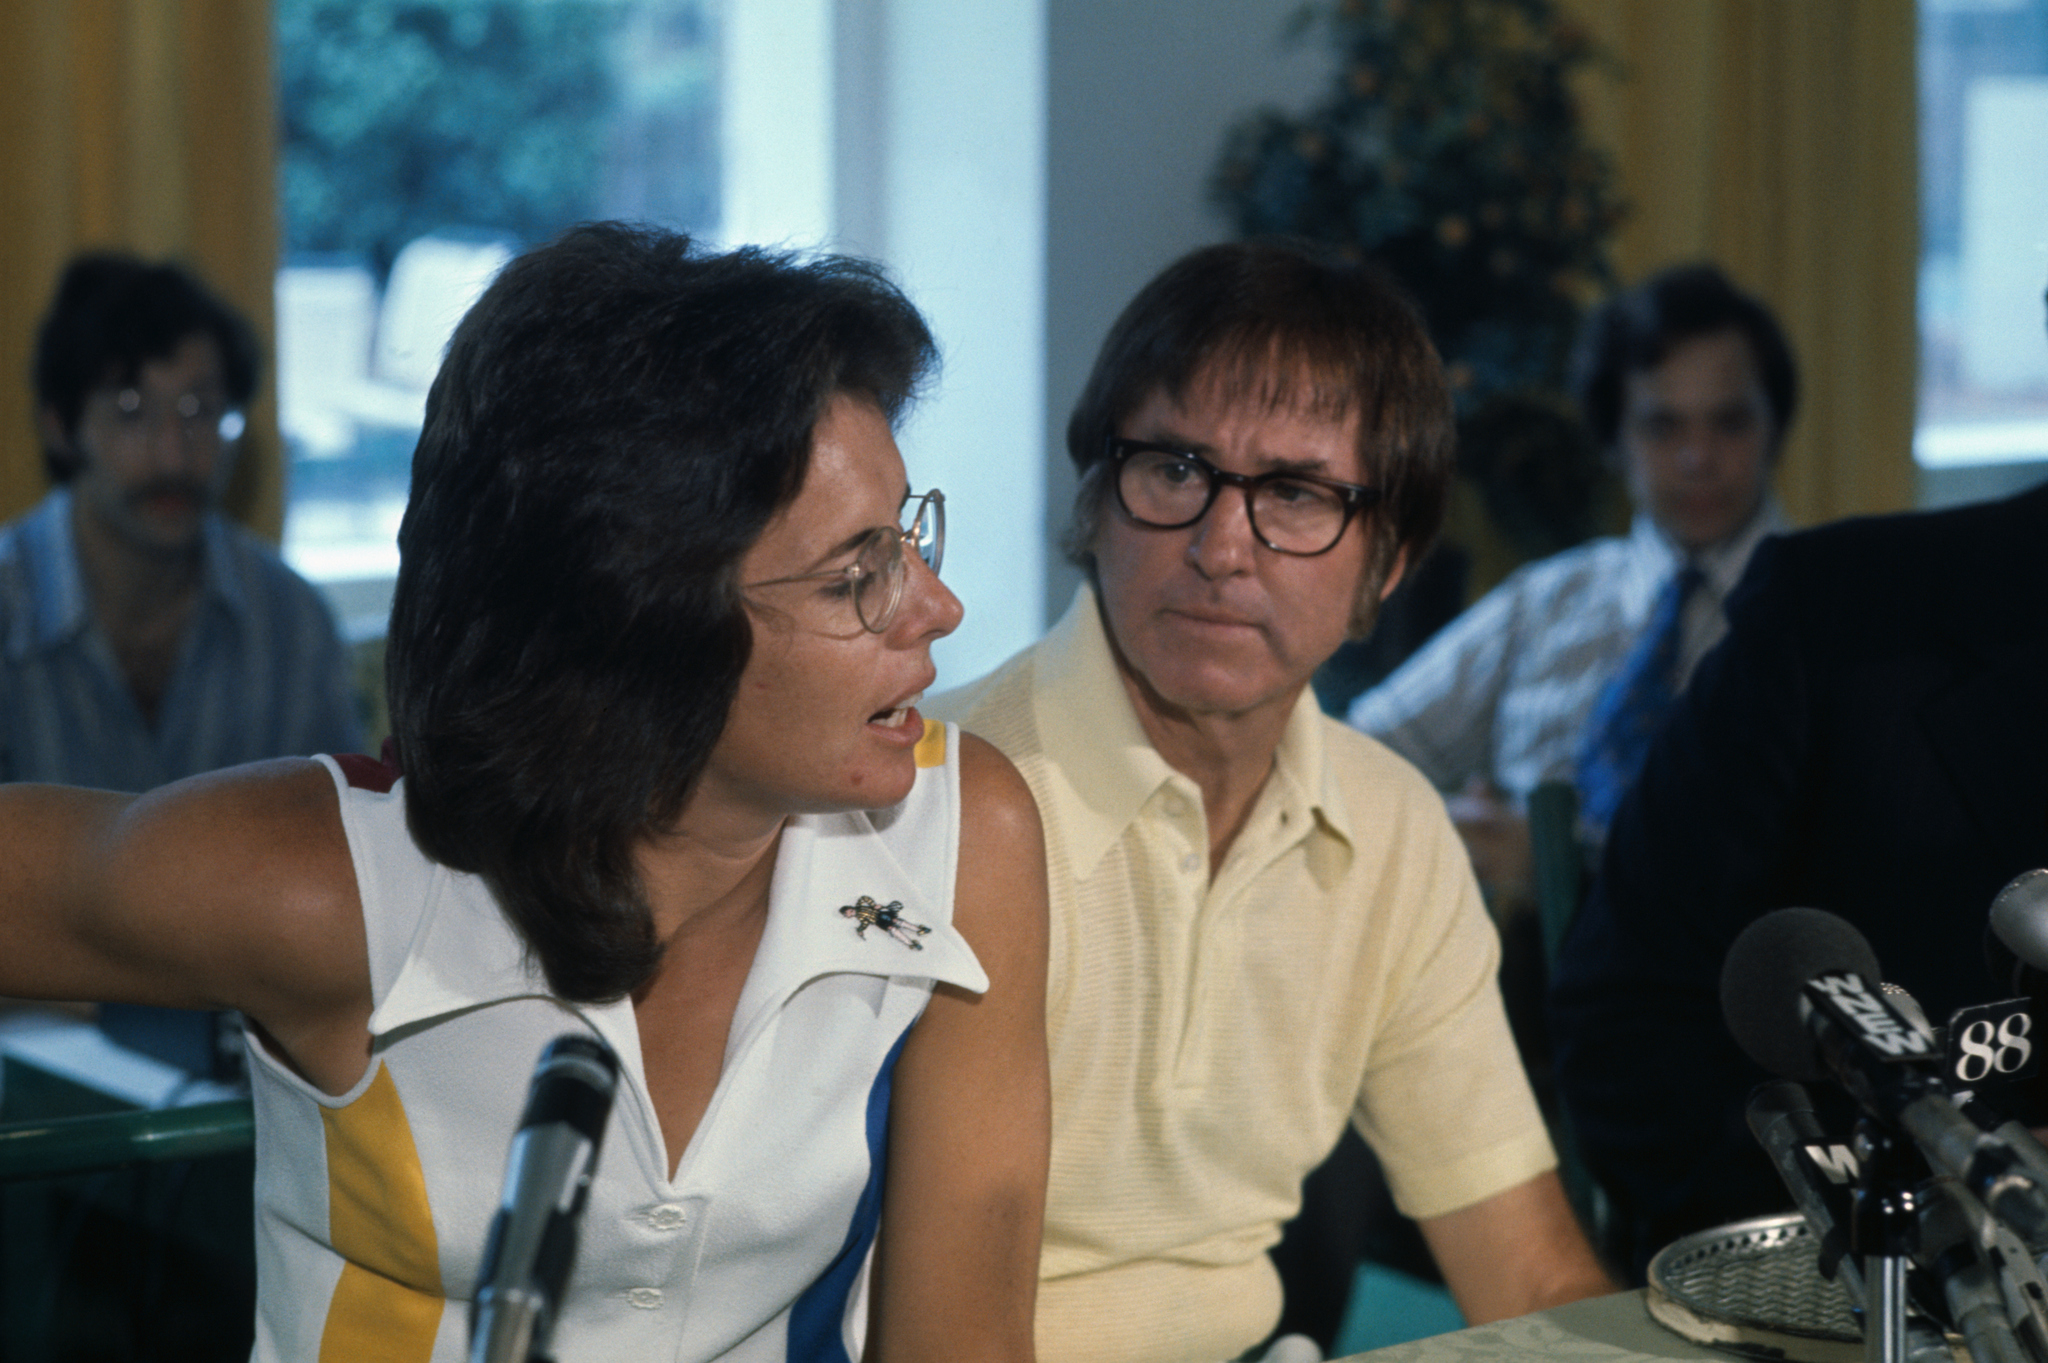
(664,615)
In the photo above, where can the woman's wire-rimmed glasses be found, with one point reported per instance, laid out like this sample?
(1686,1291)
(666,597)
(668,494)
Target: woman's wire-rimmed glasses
(879,569)
(1291,513)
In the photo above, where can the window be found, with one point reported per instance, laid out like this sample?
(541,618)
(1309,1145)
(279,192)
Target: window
(911,132)
(1984,232)
(423,143)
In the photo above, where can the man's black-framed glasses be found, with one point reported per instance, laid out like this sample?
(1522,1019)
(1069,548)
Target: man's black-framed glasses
(880,567)
(1291,513)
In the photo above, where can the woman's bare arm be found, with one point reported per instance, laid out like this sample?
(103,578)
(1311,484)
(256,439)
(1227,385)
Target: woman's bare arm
(229,890)
(956,1271)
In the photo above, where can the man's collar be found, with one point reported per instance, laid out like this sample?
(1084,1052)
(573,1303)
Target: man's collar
(1302,759)
(1093,741)
(50,552)
(218,577)
(1722,563)
(1098,750)
(63,607)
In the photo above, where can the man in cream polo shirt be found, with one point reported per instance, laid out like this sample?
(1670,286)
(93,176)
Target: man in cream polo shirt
(1263,923)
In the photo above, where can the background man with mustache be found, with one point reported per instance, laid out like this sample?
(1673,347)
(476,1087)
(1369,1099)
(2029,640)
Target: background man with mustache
(143,638)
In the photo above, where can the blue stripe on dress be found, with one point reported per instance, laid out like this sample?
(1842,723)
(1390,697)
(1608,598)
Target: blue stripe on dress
(817,1319)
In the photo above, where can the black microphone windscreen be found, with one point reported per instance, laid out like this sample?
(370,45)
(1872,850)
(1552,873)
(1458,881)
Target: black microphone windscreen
(573,1084)
(1763,981)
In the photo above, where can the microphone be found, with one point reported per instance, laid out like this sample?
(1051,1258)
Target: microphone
(1782,1119)
(2006,1052)
(2016,938)
(1977,1301)
(1955,1231)
(1799,991)
(2015,1136)
(532,1240)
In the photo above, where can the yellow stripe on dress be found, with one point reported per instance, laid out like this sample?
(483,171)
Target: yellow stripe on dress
(387,1305)
(931,749)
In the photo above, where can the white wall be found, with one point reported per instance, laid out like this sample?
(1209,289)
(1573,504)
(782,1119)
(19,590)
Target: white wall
(964,185)
(931,118)
(776,123)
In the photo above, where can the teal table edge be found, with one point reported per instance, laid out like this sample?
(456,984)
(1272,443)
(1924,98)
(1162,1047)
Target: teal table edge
(70,1145)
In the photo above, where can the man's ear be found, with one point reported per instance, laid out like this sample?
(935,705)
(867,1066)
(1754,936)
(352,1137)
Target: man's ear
(50,430)
(1365,614)
(1394,575)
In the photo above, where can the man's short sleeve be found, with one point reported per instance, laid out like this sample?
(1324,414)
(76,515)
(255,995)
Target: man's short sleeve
(1444,1100)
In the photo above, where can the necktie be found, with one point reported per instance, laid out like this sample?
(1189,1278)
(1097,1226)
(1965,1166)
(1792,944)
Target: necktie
(1632,705)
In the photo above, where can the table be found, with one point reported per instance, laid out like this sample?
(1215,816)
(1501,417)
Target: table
(1613,1329)
(108,1263)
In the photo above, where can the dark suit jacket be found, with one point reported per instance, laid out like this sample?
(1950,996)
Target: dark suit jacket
(1870,739)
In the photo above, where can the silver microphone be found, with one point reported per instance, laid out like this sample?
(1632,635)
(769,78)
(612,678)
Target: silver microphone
(532,1241)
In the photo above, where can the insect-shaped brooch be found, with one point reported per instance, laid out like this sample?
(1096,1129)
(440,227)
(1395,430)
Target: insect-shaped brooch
(866,913)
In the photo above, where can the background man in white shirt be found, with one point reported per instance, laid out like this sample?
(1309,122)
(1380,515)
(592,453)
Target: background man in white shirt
(1689,383)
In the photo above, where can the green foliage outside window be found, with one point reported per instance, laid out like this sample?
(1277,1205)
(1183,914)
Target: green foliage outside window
(1449,150)
(404,117)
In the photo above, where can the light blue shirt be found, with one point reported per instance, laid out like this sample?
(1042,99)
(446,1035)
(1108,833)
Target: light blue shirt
(261,672)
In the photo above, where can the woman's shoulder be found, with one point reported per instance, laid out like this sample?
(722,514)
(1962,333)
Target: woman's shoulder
(279,829)
(993,794)
(1002,887)
(252,896)
(960,776)
(280,817)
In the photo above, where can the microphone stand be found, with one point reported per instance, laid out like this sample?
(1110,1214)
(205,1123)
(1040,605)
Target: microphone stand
(1884,1230)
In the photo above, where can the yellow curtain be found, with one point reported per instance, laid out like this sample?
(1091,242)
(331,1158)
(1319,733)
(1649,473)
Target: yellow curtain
(1778,138)
(149,126)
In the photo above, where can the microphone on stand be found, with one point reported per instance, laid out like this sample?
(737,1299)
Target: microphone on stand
(1952,1249)
(2016,938)
(532,1241)
(2016,951)
(1800,993)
